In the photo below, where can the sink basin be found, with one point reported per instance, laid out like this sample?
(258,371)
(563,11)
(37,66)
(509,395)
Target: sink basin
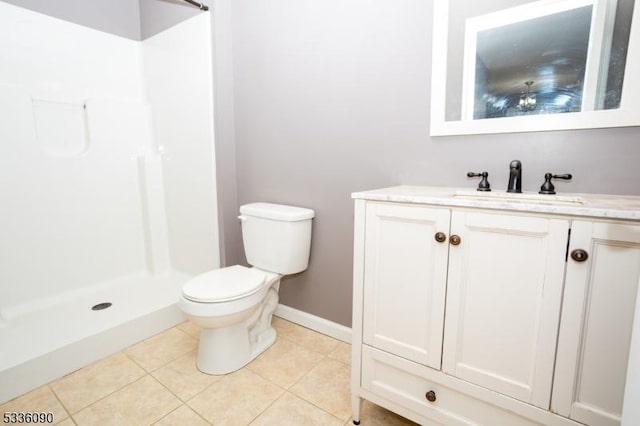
(529,197)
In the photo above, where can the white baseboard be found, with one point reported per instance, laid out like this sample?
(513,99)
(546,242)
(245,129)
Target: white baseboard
(315,323)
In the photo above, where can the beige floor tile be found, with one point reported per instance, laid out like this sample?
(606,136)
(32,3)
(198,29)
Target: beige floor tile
(327,386)
(41,400)
(162,348)
(341,353)
(374,415)
(190,328)
(183,378)
(285,363)
(291,410)
(66,422)
(236,399)
(304,337)
(140,403)
(183,416)
(89,384)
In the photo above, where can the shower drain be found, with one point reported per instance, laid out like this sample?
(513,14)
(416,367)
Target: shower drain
(101,306)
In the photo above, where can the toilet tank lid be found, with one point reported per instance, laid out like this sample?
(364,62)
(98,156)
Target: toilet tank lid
(277,212)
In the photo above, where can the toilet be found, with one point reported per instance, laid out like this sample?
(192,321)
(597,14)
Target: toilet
(234,305)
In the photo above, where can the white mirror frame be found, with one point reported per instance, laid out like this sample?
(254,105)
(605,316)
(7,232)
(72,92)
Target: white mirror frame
(627,115)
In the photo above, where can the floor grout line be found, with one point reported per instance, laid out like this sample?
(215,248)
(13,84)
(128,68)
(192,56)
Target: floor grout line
(267,407)
(64,407)
(107,396)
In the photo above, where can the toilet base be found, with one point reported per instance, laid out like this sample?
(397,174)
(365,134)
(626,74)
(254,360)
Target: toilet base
(227,349)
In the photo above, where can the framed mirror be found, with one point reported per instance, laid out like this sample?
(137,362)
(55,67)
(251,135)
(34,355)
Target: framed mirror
(519,65)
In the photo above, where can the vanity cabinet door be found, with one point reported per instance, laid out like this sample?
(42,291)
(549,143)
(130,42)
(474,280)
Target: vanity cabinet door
(405,280)
(597,317)
(503,302)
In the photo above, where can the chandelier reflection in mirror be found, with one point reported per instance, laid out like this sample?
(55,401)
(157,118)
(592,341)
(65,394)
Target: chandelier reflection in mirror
(546,99)
(527,100)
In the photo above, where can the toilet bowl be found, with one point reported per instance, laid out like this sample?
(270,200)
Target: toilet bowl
(234,305)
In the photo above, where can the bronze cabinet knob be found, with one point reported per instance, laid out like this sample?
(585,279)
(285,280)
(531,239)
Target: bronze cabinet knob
(579,255)
(431,396)
(440,237)
(454,240)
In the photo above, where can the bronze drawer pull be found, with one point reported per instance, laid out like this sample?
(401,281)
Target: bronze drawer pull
(454,240)
(431,396)
(440,237)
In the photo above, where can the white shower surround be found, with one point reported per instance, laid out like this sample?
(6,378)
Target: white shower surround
(121,208)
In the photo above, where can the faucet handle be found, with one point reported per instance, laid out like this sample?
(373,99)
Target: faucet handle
(484,184)
(566,176)
(547,187)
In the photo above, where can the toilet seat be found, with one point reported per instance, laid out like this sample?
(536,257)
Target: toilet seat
(224,285)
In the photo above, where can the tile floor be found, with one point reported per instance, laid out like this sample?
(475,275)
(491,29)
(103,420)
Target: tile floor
(303,379)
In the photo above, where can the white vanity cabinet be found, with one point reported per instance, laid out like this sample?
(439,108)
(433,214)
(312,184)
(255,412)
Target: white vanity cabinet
(474,311)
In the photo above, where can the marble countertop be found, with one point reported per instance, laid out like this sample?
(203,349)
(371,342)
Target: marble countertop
(625,207)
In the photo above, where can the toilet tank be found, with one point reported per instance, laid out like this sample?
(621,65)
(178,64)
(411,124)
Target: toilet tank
(276,237)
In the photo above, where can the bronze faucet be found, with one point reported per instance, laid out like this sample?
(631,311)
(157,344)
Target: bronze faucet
(515,177)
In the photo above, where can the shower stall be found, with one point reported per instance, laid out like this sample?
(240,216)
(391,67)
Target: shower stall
(107,188)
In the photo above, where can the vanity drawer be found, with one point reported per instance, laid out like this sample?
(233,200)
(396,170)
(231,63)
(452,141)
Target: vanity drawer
(404,383)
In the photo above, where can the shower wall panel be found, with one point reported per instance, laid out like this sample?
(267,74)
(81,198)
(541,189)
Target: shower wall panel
(70,219)
(73,125)
(178,75)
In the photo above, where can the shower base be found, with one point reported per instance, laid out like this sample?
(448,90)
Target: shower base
(43,340)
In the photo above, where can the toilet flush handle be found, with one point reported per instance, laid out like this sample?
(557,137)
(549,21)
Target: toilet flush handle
(242,218)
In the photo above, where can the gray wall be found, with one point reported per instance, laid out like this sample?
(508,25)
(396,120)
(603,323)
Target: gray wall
(120,17)
(226,173)
(332,97)
(159,15)
(134,19)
